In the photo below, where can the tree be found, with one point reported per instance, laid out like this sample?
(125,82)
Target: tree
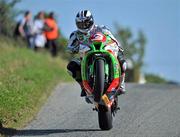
(7,16)
(134,48)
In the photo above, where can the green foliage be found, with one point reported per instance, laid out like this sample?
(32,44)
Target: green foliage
(62,45)
(62,42)
(152,78)
(26,80)
(7,15)
(134,47)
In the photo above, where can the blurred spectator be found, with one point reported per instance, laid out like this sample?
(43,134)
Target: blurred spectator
(26,29)
(39,36)
(53,34)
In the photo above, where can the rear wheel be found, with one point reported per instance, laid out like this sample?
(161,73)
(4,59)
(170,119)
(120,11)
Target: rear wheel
(104,113)
(105,118)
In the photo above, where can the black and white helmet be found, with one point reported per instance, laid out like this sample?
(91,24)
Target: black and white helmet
(84,21)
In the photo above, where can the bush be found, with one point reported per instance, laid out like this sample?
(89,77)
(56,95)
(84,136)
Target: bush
(152,78)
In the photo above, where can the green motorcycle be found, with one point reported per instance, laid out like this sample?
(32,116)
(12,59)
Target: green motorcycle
(100,71)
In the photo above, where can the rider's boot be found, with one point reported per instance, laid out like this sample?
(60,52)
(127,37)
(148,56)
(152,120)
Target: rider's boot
(121,88)
(123,65)
(83,92)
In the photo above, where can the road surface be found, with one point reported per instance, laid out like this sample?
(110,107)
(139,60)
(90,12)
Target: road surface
(146,111)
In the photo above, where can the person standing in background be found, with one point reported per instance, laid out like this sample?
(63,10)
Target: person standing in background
(26,29)
(39,27)
(53,34)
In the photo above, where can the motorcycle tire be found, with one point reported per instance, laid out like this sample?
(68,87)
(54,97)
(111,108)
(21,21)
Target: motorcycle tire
(105,118)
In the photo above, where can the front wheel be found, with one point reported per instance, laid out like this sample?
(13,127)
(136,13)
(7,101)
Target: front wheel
(105,118)
(99,80)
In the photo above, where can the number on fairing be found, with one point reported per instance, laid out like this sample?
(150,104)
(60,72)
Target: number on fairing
(97,37)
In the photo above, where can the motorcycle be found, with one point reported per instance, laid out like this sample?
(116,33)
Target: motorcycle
(101,73)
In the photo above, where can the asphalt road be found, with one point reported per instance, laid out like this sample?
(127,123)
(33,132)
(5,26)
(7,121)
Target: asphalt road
(146,111)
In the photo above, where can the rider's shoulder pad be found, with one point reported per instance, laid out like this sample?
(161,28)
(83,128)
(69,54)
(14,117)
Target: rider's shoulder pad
(73,34)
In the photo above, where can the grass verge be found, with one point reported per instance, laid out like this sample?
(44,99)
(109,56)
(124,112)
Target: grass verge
(26,80)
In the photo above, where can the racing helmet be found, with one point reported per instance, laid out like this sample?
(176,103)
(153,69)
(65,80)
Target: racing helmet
(84,21)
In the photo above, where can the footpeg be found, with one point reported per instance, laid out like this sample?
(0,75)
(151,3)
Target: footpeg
(88,100)
(115,111)
(95,109)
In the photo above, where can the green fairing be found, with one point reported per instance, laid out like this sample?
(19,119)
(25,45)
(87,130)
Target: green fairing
(114,60)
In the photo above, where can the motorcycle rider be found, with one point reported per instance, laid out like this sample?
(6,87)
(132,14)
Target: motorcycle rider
(85,28)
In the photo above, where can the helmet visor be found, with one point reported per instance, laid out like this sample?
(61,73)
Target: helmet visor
(84,24)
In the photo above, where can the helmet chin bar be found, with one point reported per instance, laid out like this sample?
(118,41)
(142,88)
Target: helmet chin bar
(86,31)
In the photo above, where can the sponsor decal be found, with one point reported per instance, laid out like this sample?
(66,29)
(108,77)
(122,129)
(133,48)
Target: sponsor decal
(98,37)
